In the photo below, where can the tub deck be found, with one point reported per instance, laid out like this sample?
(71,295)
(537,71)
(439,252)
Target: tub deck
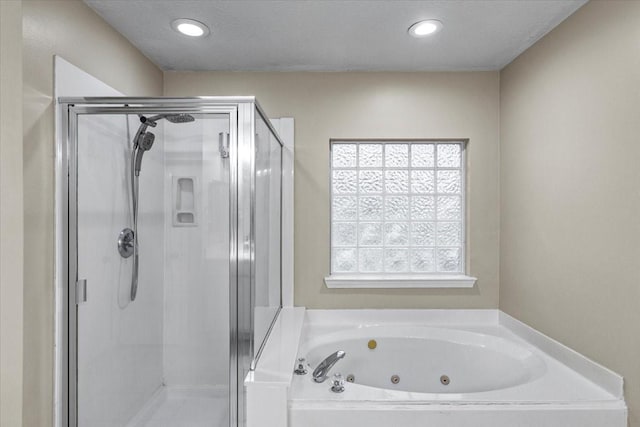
(572,390)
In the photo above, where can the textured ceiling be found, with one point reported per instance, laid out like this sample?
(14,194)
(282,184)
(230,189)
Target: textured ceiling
(335,35)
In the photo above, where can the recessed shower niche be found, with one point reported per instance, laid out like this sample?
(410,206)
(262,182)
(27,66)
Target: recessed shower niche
(184,201)
(172,279)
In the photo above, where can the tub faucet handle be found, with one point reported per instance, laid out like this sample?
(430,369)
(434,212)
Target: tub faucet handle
(337,384)
(301,369)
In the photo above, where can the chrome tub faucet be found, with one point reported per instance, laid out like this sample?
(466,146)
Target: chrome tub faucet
(320,373)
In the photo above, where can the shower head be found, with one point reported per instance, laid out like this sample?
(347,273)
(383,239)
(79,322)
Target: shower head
(173,118)
(180,118)
(144,143)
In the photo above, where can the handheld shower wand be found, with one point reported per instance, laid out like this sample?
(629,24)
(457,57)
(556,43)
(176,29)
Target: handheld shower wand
(142,142)
(145,142)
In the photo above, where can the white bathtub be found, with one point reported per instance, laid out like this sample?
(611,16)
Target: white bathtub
(424,359)
(497,376)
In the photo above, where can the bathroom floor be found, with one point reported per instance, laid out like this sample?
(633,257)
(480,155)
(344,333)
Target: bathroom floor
(185,408)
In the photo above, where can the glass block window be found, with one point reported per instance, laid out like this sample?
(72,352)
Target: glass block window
(397,207)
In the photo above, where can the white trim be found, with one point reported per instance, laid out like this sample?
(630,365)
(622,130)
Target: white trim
(598,374)
(399,281)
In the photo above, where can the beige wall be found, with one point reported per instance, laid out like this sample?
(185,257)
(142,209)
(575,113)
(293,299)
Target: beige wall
(11,213)
(376,105)
(570,204)
(71,29)
(566,112)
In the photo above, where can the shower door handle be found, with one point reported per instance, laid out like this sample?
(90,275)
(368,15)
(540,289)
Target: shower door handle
(81,291)
(223,144)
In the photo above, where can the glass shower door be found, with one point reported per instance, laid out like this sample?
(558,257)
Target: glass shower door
(154,342)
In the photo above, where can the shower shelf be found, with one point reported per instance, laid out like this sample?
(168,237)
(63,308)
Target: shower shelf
(184,205)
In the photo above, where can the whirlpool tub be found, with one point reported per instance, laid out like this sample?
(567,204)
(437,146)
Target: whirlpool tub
(446,368)
(426,359)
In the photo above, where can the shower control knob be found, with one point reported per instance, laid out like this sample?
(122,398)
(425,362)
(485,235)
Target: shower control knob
(126,243)
(301,369)
(337,383)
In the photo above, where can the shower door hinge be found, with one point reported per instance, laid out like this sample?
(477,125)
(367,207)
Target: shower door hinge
(223,144)
(81,291)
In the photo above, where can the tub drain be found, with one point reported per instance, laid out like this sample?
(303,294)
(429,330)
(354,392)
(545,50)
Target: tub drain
(395,379)
(351,378)
(445,380)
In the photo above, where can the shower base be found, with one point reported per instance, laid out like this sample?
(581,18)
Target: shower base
(206,406)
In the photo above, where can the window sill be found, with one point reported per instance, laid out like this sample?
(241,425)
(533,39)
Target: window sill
(398,281)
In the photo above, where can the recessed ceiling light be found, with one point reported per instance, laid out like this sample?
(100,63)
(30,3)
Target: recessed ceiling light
(190,27)
(425,28)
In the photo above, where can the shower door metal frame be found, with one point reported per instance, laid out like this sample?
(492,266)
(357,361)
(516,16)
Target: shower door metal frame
(241,222)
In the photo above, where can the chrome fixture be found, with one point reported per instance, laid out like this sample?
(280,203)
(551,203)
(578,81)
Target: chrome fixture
(320,373)
(445,380)
(337,383)
(395,379)
(223,144)
(142,142)
(125,243)
(301,369)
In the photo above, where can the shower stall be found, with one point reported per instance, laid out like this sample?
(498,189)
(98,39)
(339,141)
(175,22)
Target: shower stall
(171,225)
